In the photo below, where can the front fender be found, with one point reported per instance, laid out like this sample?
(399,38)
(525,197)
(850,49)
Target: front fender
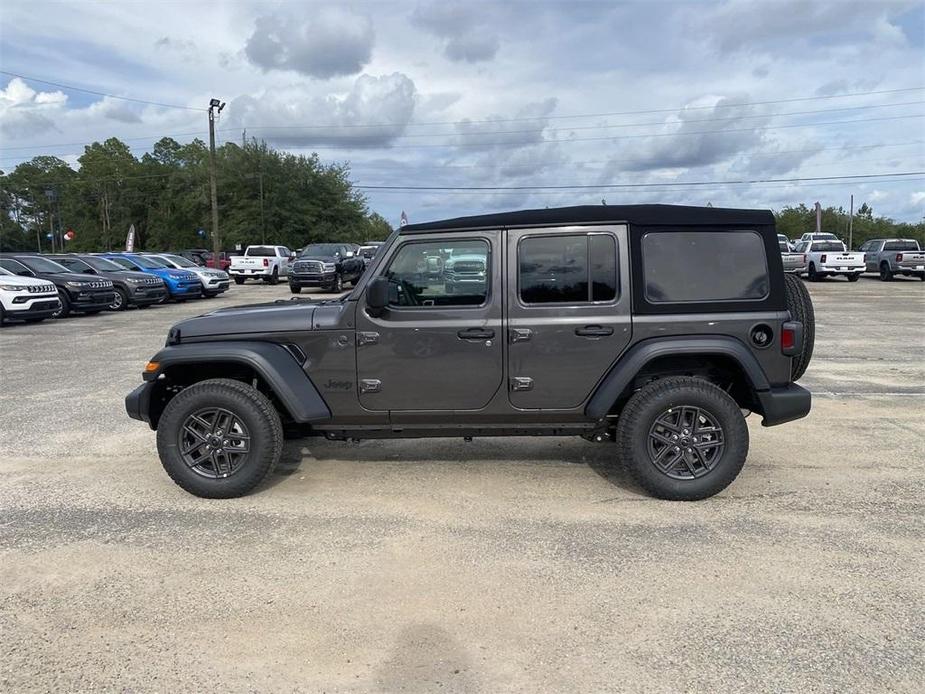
(272,362)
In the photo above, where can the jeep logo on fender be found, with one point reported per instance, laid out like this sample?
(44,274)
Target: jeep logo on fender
(338,385)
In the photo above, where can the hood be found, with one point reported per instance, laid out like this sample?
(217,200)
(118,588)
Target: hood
(130,274)
(20,281)
(68,277)
(276,317)
(323,258)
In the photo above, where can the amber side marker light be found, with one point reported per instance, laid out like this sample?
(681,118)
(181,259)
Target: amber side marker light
(151,367)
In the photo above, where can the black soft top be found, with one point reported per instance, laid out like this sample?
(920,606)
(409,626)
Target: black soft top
(643,215)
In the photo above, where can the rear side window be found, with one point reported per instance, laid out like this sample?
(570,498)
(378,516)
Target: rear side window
(901,246)
(573,269)
(704,266)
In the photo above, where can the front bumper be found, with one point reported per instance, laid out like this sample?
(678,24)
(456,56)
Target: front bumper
(41,307)
(216,287)
(784,404)
(185,289)
(138,403)
(143,296)
(92,300)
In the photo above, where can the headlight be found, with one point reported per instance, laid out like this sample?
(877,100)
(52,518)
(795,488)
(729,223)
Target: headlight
(77,285)
(134,280)
(13,288)
(329,267)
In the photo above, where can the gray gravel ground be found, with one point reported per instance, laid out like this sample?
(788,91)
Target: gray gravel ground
(499,565)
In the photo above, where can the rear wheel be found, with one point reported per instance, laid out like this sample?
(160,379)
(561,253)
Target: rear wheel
(800,305)
(219,438)
(239,280)
(886,274)
(855,277)
(813,275)
(274,278)
(682,438)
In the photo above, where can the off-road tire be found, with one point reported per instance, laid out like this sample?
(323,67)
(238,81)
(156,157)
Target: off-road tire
(800,305)
(239,280)
(295,290)
(651,402)
(117,305)
(274,276)
(886,274)
(247,403)
(65,309)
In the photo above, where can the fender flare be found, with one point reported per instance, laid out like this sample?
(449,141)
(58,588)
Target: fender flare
(272,362)
(634,360)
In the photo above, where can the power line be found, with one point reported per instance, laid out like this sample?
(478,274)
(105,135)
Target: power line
(898,175)
(96,93)
(618,113)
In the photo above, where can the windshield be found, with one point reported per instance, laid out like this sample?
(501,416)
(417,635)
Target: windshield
(102,264)
(181,261)
(261,251)
(71,263)
(321,249)
(901,246)
(830,246)
(149,263)
(37,264)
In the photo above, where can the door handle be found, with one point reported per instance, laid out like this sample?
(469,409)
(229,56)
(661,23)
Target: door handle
(594,331)
(476,334)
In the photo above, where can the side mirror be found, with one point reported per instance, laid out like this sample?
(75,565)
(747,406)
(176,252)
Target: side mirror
(377,296)
(89,271)
(349,254)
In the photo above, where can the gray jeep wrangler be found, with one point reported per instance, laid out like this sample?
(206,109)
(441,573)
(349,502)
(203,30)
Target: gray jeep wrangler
(656,327)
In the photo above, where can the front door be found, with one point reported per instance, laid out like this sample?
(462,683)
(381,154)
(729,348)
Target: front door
(438,345)
(569,312)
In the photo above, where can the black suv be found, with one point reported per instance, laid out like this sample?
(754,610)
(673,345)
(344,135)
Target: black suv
(656,327)
(131,288)
(326,265)
(77,292)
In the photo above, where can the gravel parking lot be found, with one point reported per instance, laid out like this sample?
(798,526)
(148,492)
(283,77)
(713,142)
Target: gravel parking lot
(497,565)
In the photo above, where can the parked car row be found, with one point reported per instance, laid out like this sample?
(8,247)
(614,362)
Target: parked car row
(35,287)
(818,258)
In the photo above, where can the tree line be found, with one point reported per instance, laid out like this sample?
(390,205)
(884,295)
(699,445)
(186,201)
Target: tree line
(263,195)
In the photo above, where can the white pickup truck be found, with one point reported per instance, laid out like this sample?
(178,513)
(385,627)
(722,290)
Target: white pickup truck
(267,263)
(825,258)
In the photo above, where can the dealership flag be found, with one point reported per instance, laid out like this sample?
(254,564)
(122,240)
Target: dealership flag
(130,239)
(404,219)
(69,235)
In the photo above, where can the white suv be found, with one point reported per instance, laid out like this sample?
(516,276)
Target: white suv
(26,298)
(214,282)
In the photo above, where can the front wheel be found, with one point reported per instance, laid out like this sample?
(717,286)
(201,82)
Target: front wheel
(294,289)
(119,300)
(219,438)
(65,310)
(338,285)
(682,438)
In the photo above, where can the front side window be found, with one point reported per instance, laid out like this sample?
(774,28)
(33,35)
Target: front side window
(126,263)
(704,266)
(567,269)
(15,267)
(440,273)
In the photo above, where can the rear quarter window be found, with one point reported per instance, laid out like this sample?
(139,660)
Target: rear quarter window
(704,266)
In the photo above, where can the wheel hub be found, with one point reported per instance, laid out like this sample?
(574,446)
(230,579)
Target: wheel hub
(685,442)
(214,442)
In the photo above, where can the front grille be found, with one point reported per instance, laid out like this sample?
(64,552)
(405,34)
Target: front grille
(468,266)
(41,289)
(99,284)
(152,281)
(309,266)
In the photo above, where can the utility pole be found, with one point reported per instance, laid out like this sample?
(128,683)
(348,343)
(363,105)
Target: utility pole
(263,224)
(851,223)
(215,106)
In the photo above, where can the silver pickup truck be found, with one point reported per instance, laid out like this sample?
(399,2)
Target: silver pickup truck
(793,262)
(894,257)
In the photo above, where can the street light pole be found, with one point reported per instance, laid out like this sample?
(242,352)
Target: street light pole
(215,107)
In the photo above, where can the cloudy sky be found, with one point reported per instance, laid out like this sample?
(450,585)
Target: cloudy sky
(499,95)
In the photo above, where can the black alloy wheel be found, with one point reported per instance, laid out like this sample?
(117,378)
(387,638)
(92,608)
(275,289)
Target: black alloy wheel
(214,442)
(685,442)
(119,300)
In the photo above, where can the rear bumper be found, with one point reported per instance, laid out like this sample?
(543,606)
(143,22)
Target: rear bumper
(780,405)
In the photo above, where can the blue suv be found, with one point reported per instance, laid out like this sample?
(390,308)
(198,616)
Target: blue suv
(181,284)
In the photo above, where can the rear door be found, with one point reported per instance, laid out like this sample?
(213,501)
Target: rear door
(568,312)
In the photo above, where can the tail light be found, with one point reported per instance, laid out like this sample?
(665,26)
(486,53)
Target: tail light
(266,262)
(822,258)
(791,337)
(804,259)
(899,257)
